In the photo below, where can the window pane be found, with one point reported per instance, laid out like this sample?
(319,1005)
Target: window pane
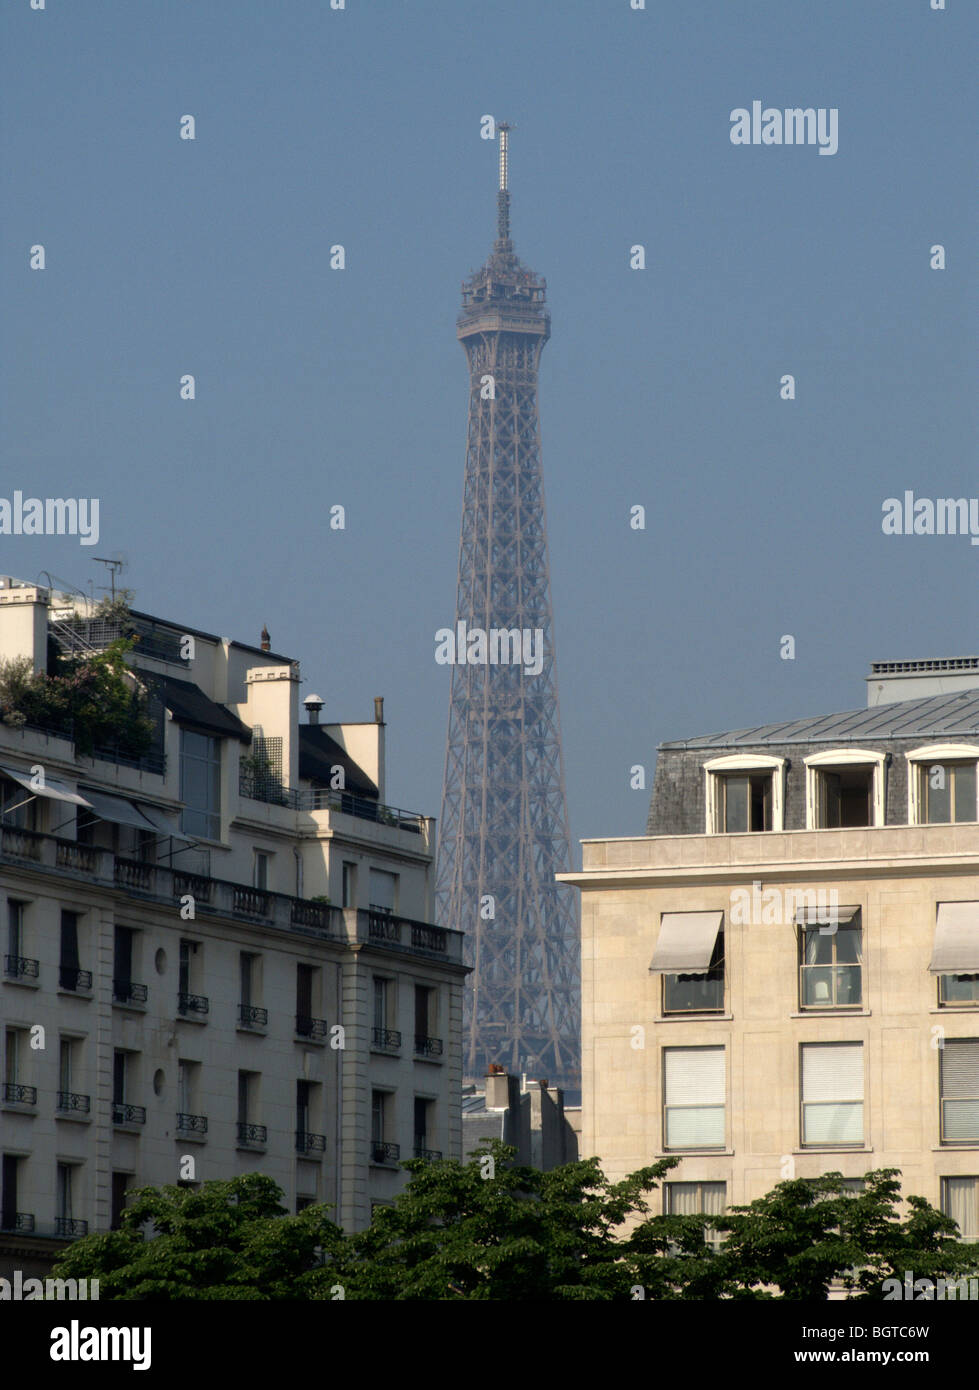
(735,804)
(817,985)
(848,985)
(834,1122)
(965,792)
(695,1127)
(847,941)
(938,792)
(961,1119)
(960,1201)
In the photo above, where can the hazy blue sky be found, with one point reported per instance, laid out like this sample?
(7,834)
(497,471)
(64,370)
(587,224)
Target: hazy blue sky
(658,387)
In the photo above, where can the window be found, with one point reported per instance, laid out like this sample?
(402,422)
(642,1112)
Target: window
(63,1197)
(250,1013)
(942,784)
(349,890)
(844,789)
(694,1097)
(120,1182)
(304,1200)
(699,993)
(200,784)
(381,1002)
(959,1073)
(118,1078)
(302,1108)
(744,794)
(960,1201)
(69,976)
(379,1107)
(244,1096)
(425,1000)
(16,965)
(696,1199)
(262,870)
(383,891)
(830,966)
(8,1193)
(832,1094)
(958,990)
(124,990)
(250,1134)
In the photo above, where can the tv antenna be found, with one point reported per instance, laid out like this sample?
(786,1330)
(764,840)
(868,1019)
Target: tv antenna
(113,566)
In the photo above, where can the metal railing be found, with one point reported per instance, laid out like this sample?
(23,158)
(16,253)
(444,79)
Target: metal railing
(307,1143)
(20,968)
(129,992)
(383,1152)
(15,1094)
(123,1114)
(427,1047)
(193,1004)
(251,1017)
(191,1124)
(311,1027)
(73,979)
(71,1101)
(388,1038)
(70,1226)
(251,1135)
(22,1221)
(422,1152)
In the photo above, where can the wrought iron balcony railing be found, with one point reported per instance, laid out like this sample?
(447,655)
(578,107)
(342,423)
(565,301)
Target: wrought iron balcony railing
(17,1221)
(193,1004)
(74,980)
(71,1102)
(251,1017)
(70,1226)
(307,1143)
(191,1124)
(427,1047)
(383,1152)
(128,992)
(15,1094)
(311,1027)
(422,1152)
(123,1114)
(388,1038)
(252,1136)
(20,968)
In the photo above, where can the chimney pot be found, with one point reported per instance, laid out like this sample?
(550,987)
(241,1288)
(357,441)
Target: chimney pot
(378,709)
(266,639)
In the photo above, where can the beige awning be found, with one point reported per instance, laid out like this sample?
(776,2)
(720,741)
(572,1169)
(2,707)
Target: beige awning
(51,787)
(956,948)
(826,914)
(686,942)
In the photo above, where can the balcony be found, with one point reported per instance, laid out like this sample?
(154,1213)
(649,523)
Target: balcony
(422,1152)
(75,981)
(15,1094)
(70,1103)
(251,1017)
(191,1124)
(388,1039)
(127,992)
(70,1227)
(221,898)
(22,1221)
(193,1004)
(252,1136)
(427,1047)
(313,1028)
(123,1114)
(383,1152)
(307,1143)
(20,968)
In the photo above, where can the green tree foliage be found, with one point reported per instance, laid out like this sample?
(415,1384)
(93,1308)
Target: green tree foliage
(229,1240)
(491,1230)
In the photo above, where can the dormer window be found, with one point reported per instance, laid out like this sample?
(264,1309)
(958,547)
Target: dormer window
(844,789)
(744,794)
(942,784)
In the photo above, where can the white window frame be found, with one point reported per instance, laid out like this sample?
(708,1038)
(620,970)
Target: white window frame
(748,763)
(845,757)
(937,753)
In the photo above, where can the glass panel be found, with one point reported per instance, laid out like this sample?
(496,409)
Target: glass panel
(965,792)
(833,1122)
(690,993)
(960,1201)
(700,1126)
(961,1119)
(735,804)
(938,793)
(819,947)
(958,989)
(848,991)
(847,945)
(817,985)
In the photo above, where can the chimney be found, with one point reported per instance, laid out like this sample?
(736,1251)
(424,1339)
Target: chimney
(499,1088)
(266,639)
(378,709)
(313,704)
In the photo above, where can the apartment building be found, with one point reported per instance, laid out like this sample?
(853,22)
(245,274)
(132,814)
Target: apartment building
(218,956)
(781,978)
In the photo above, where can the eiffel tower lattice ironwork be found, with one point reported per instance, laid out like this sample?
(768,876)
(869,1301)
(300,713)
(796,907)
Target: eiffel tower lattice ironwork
(504,823)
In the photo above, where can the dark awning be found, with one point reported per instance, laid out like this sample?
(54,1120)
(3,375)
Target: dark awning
(51,787)
(319,754)
(189,705)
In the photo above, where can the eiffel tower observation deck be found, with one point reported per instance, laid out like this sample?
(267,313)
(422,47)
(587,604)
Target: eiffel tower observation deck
(504,824)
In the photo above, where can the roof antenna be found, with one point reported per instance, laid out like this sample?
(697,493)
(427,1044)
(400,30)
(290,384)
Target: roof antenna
(503,197)
(113,566)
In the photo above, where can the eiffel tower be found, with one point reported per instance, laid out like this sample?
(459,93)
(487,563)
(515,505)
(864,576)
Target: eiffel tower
(504,823)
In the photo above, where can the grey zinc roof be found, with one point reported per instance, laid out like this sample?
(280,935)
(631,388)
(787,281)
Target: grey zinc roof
(937,716)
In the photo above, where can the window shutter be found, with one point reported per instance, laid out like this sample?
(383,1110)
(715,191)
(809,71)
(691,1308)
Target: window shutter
(960,1069)
(695,1076)
(832,1071)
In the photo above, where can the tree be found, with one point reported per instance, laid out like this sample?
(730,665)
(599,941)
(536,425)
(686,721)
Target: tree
(229,1240)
